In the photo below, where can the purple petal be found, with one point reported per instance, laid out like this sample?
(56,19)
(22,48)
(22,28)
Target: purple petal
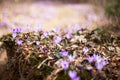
(76,78)
(72,74)
(56,30)
(44,49)
(68,36)
(15,30)
(90,59)
(19,42)
(65,64)
(37,42)
(64,53)
(45,34)
(57,39)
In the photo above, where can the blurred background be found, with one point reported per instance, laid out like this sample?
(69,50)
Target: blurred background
(50,14)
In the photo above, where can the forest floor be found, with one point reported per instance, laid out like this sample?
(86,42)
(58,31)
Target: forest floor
(49,16)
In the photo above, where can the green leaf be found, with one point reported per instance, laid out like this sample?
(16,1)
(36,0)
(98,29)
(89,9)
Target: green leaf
(58,55)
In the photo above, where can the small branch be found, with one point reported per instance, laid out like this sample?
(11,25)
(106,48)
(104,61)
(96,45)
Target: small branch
(42,63)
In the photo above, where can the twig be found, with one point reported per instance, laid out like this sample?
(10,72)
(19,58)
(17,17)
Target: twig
(42,63)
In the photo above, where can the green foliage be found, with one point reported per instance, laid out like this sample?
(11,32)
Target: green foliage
(45,71)
(85,75)
(7,40)
(58,55)
(113,8)
(33,61)
(63,75)
(100,36)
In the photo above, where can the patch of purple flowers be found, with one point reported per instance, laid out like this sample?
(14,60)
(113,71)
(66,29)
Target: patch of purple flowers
(99,61)
(17,30)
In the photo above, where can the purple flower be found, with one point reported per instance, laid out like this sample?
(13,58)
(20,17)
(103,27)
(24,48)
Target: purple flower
(65,64)
(99,61)
(90,59)
(64,53)
(68,36)
(57,39)
(85,49)
(99,65)
(37,42)
(45,34)
(16,30)
(56,30)
(14,35)
(72,74)
(76,78)
(44,49)
(19,42)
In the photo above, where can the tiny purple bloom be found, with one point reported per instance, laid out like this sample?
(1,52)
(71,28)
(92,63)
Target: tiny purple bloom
(65,64)
(45,34)
(76,78)
(56,30)
(90,59)
(19,42)
(100,62)
(64,53)
(72,74)
(15,30)
(44,49)
(68,36)
(57,39)
(37,42)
